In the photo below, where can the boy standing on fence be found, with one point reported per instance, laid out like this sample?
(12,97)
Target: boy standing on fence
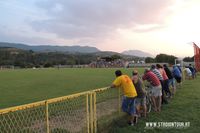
(129,92)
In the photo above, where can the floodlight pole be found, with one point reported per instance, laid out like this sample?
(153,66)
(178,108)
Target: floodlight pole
(175,62)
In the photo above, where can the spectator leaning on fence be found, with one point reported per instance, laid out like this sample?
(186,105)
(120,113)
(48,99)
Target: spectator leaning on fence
(171,79)
(165,80)
(192,70)
(160,77)
(179,67)
(129,92)
(155,87)
(177,75)
(141,97)
(187,73)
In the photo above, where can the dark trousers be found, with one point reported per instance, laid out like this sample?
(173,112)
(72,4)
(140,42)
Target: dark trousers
(164,100)
(166,87)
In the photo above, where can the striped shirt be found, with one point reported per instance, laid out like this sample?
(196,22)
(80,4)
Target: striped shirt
(157,73)
(151,78)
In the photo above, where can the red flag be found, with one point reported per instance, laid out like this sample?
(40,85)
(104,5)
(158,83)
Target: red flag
(196,56)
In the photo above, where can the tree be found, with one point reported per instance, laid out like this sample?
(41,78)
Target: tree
(115,57)
(188,59)
(149,60)
(48,64)
(107,58)
(164,58)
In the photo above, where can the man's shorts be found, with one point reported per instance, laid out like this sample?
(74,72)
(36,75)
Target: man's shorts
(156,91)
(171,82)
(140,101)
(128,105)
(178,79)
(189,74)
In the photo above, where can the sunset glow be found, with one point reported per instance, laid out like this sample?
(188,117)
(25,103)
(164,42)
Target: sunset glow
(153,26)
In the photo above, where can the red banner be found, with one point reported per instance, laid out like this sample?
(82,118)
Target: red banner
(196,57)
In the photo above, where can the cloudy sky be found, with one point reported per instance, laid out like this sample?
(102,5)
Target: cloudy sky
(154,26)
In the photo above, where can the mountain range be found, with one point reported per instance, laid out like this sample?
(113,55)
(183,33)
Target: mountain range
(49,48)
(137,53)
(72,49)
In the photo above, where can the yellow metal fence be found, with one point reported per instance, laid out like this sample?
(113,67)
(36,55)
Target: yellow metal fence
(77,113)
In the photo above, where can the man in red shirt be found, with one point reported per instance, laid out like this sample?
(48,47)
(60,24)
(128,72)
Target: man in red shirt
(155,88)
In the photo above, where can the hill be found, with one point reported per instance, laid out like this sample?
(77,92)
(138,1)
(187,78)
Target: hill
(28,58)
(48,48)
(138,53)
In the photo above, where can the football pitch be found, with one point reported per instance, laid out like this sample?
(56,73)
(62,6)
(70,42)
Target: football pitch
(24,86)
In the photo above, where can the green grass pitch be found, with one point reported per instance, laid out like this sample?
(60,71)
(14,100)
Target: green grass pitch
(24,86)
(28,85)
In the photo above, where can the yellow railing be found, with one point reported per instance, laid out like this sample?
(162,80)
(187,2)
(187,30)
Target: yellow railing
(73,113)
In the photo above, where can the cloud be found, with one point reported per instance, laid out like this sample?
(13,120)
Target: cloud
(79,19)
(22,36)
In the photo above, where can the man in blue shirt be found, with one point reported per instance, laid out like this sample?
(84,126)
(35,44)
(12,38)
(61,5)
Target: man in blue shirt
(177,74)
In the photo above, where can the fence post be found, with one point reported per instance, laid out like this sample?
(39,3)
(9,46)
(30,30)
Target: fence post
(91,113)
(87,112)
(94,112)
(47,116)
